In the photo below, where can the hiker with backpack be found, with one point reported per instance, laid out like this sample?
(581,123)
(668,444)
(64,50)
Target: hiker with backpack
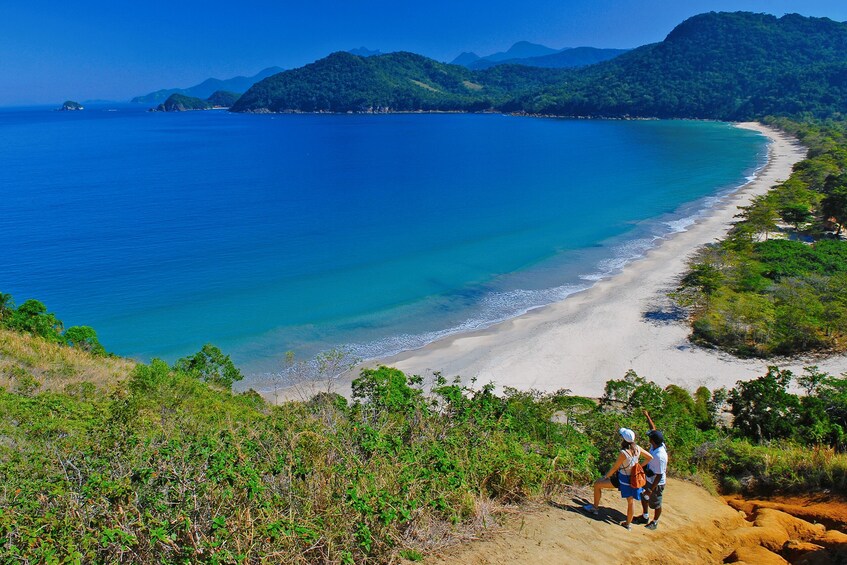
(626,475)
(656,471)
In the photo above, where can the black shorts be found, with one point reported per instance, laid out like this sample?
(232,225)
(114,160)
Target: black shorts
(655,498)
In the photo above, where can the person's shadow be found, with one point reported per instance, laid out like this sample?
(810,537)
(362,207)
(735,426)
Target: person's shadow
(606,514)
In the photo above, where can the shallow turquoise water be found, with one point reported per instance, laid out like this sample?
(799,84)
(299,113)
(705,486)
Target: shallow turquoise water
(270,233)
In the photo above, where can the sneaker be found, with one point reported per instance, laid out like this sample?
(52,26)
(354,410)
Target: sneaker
(591,509)
(640,520)
(626,525)
(652,525)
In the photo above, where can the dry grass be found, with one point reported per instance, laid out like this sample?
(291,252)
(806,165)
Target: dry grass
(31,364)
(424,85)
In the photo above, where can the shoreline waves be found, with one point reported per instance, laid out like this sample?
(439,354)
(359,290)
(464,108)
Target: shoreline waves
(598,333)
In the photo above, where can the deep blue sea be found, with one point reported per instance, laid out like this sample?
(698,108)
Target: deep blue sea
(377,233)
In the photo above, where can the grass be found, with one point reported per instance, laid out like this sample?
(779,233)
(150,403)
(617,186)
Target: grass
(36,365)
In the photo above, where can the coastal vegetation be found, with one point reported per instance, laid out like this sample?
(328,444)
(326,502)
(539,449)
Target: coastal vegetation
(777,284)
(728,66)
(166,464)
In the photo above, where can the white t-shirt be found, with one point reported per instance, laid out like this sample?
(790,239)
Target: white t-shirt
(659,463)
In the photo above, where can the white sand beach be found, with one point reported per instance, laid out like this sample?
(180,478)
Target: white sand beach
(597,335)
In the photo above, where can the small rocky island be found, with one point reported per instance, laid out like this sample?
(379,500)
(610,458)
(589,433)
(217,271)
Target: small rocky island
(183,103)
(71,106)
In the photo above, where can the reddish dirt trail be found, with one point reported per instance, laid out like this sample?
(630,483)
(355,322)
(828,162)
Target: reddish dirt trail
(696,527)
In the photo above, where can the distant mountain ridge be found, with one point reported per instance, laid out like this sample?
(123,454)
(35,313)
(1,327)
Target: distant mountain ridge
(365,52)
(564,59)
(535,55)
(239,84)
(728,66)
(522,50)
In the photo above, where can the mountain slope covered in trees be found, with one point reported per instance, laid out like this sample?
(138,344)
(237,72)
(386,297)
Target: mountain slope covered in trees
(343,82)
(716,65)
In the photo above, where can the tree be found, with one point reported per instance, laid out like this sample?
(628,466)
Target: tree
(760,216)
(763,408)
(210,365)
(796,215)
(834,206)
(6,306)
(32,317)
(85,338)
(633,392)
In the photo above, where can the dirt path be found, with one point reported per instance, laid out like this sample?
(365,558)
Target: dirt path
(696,527)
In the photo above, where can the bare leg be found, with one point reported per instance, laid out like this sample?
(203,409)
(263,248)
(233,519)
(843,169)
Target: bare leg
(644,509)
(630,506)
(657,514)
(599,485)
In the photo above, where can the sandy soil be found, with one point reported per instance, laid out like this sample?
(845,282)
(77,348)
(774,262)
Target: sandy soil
(599,334)
(696,527)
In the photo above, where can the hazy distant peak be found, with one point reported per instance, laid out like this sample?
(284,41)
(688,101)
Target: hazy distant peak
(364,52)
(522,50)
(465,59)
(206,88)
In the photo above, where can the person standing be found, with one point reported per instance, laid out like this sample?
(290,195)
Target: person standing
(619,476)
(656,471)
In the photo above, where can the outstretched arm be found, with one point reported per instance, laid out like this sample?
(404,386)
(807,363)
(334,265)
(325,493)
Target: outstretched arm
(650,420)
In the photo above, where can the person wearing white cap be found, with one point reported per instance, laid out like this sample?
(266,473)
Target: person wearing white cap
(619,476)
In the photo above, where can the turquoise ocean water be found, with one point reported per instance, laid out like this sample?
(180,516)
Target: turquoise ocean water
(269,233)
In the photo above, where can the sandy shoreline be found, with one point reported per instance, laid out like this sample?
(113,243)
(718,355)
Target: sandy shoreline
(600,333)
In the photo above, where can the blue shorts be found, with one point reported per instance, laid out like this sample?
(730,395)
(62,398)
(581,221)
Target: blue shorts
(626,490)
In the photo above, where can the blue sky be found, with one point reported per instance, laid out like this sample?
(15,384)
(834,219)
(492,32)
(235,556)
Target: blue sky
(54,50)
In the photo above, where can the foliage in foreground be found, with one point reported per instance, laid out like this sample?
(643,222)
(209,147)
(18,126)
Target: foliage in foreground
(32,317)
(175,468)
(171,470)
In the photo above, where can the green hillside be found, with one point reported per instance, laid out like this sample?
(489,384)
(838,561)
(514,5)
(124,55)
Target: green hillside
(182,103)
(398,82)
(222,99)
(717,65)
(166,465)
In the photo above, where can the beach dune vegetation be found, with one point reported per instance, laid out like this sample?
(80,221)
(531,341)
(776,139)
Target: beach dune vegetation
(776,284)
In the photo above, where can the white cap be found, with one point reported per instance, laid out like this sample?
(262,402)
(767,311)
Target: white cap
(627,434)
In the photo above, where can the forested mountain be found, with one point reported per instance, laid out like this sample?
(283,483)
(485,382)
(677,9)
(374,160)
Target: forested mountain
(716,65)
(209,86)
(343,82)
